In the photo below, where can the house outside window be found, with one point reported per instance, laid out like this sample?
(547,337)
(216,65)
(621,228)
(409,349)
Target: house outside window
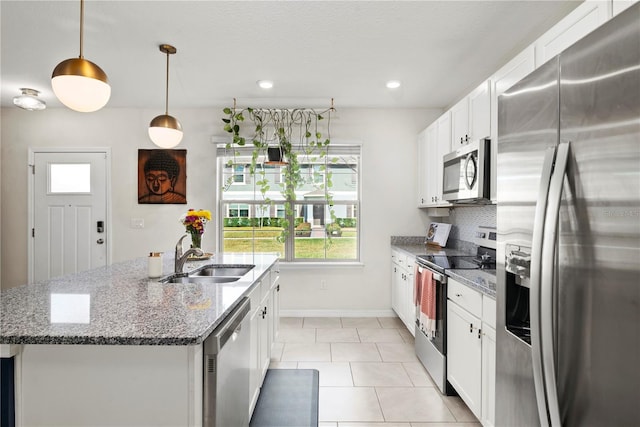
(250,224)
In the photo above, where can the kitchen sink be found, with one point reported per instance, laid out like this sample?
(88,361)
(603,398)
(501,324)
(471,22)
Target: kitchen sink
(222,270)
(200,279)
(212,273)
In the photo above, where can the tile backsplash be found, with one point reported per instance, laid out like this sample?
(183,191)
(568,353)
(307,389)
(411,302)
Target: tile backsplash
(465,221)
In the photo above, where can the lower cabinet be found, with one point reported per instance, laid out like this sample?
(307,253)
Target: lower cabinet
(488,375)
(464,355)
(402,277)
(471,349)
(264,321)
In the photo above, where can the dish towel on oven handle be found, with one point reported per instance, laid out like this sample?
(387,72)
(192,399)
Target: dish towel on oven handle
(424,295)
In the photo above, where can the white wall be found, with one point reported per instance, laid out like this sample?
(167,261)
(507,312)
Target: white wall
(388,192)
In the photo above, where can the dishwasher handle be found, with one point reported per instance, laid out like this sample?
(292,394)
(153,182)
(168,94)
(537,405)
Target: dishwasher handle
(228,329)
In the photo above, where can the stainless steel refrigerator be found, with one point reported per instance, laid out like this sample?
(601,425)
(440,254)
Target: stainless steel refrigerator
(568,216)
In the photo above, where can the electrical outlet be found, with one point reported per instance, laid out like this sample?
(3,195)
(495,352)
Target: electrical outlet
(137,223)
(323,285)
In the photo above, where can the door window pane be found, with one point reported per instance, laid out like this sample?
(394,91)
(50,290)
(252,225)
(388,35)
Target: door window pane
(70,177)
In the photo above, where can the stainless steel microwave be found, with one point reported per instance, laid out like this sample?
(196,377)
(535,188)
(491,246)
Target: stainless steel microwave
(465,173)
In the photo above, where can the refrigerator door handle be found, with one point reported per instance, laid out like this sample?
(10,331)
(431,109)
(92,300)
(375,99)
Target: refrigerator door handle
(547,288)
(535,284)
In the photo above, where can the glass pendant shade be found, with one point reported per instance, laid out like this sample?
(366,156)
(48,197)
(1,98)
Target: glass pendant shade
(165,131)
(81,85)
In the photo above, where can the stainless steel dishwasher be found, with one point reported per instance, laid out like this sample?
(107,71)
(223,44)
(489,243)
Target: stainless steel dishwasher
(226,371)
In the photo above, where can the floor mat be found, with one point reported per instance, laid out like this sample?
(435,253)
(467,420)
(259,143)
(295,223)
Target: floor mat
(288,398)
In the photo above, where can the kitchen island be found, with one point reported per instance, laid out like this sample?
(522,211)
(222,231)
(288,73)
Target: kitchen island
(110,346)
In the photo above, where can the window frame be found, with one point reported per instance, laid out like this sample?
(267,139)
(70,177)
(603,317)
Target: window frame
(355,205)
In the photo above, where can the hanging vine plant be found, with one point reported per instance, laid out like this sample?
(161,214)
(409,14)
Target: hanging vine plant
(289,138)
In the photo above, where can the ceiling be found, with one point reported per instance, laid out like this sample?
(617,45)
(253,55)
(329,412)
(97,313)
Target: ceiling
(312,50)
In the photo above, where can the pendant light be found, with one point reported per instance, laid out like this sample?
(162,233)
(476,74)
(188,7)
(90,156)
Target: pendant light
(164,130)
(80,84)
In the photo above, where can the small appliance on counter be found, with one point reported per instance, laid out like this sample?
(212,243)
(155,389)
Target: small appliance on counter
(438,234)
(431,342)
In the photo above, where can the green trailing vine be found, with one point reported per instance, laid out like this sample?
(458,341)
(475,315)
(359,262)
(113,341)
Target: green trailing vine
(294,133)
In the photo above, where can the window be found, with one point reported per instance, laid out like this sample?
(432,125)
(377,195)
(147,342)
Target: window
(69,177)
(316,230)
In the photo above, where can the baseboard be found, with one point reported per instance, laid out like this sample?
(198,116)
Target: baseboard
(337,313)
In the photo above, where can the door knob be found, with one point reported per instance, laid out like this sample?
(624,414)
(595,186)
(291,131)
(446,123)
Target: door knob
(100,241)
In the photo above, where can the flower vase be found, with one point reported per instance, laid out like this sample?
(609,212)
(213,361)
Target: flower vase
(196,240)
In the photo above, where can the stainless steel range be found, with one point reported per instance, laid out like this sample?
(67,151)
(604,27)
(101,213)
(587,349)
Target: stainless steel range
(431,341)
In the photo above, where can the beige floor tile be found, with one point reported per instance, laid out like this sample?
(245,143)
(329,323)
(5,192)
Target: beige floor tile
(328,425)
(406,336)
(444,425)
(417,404)
(459,409)
(354,352)
(379,335)
(400,352)
(418,374)
(297,335)
(303,352)
(391,322)
(290,322)
(349,404)
(276,351)
(379,374)
(360,322)
(337,335)
(283,365)
(332,374)
(322,322)
(374,425)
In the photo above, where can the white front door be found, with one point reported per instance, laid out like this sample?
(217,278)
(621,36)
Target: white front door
(69,213)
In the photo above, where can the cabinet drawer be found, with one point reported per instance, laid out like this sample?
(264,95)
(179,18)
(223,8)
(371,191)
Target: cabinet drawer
(489,311)
(465,297)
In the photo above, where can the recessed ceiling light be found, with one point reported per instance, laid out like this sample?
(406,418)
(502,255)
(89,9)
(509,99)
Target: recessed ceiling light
(393,84)
(29,100)
(265,84)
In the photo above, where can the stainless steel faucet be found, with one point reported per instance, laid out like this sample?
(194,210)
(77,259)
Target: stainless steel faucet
(181,258)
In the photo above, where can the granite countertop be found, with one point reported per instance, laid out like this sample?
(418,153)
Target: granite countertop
(481,280)
(120,305)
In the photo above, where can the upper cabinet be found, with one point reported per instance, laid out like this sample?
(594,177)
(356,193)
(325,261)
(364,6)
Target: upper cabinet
(620,5)
(503,79)
(470,117)
(580,22)
(433,143)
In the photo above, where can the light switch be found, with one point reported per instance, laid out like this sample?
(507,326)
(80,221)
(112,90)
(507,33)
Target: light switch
(137,223)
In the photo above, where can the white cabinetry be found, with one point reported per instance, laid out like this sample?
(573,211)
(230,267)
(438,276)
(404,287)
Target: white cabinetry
(264,321)
(402,278)
(471,349)
(620,5)
(433,144)
(503,79)
(470,117)
(488,361)
(577,24)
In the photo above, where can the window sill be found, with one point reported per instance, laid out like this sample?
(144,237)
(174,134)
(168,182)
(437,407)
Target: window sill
(319,265)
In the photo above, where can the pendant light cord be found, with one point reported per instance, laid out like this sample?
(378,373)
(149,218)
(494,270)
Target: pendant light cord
(81,27)
(166,99)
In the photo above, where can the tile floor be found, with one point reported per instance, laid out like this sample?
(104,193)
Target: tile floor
(369,374)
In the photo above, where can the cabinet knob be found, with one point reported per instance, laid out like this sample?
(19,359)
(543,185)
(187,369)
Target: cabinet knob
(458,295)
(470,327)
(479,333)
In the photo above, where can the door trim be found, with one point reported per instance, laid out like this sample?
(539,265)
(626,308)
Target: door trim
(31,195)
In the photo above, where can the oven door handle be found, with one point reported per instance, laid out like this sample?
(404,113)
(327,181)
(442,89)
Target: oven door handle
(436,276)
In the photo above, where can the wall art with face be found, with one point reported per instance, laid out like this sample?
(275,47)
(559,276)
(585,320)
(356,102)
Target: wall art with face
(162,176)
